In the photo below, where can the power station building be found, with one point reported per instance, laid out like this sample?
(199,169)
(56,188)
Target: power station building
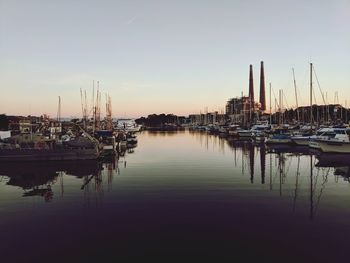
(245,109)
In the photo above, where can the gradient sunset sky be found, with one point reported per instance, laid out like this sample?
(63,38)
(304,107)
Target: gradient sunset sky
(167,56)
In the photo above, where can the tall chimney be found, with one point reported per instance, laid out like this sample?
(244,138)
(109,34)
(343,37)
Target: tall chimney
(251,87)
(262,88)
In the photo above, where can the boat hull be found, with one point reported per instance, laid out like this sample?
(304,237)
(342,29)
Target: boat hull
(302,141)
(247,134)
(313,144)
(259,138)
(278,141)
(7,155)
(330,146)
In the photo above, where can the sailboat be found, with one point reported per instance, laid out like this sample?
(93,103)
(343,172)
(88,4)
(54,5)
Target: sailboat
(303,139)
(334,145)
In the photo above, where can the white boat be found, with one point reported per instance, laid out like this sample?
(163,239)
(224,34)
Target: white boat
(245,133)
(326,134)
(259,137)
(333,146)
(233,130)
(302,137)
(301,140)
(279,139)
(131,138)
(128,125)
(257,128)
(261,126)
(135,128)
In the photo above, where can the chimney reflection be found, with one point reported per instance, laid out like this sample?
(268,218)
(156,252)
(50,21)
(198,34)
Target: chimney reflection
(251,162)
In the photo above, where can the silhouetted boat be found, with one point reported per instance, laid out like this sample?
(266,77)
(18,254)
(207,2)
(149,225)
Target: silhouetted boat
(80,148)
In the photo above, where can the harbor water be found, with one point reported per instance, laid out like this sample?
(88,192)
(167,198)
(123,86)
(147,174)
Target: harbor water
(178,196)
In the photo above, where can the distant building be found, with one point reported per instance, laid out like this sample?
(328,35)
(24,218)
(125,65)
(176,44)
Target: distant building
(207,118)
(238,109)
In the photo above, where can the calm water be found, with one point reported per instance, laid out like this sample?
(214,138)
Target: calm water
(178,196)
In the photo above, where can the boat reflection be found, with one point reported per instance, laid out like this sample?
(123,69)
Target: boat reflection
(39,178)
(339,163)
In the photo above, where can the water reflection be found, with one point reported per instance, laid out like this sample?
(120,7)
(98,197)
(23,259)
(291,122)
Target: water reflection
(38,178)
(340,163)
(178,191)
(292,172)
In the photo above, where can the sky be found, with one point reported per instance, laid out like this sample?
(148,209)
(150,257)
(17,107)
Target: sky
(160,56)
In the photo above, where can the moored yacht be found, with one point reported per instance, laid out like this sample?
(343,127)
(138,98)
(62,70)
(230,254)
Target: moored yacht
(279,136)
(326,134)
(339,143)
(302,137)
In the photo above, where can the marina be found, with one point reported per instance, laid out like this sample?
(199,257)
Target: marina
(174,131)
(227,188)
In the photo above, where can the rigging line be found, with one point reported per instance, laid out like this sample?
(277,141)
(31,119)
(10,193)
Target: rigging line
(319,86)
(313,91)
(304,86)
(274,95)
(295,89)
(284,95)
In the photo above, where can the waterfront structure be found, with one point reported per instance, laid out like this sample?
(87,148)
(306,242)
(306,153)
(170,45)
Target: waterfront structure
(237,109)
(251,88)
(207,118)
(245,110)
(262,87)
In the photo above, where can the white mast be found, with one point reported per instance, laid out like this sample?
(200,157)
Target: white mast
(311,113)
(296,95)
(270,107)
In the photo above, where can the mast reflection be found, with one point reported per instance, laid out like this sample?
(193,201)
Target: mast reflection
(263,163)
(289,169)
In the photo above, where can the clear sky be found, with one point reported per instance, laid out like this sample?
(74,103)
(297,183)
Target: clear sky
(160,56)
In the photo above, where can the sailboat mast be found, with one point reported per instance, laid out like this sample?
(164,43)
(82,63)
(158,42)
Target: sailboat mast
(59,109)
(311,119)
(296,95)
(346,112)
(270,107)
